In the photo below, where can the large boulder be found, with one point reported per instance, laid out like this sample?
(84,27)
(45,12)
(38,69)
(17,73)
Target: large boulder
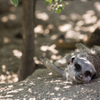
(44,84)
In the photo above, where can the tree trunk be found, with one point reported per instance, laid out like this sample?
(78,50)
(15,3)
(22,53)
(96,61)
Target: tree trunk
(27,65)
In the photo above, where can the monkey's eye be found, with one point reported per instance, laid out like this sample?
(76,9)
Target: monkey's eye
(87,73)
(72,59)
(94,76)
(77,67)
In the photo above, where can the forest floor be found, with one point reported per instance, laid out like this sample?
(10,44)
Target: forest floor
(77,20)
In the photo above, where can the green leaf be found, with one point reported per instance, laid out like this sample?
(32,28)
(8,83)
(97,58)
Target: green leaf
(63,6)
(15,2)
(57,6)
(46,2)
(50,1)
(58,11)
(59,0)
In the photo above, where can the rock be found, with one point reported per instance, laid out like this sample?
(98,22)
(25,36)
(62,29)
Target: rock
(43,85)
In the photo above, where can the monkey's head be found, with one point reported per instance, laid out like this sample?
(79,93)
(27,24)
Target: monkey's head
(80,69)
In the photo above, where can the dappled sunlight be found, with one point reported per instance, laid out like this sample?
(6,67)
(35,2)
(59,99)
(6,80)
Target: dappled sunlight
(57,88)
(97,5)
(2,78)
(53,37)
(39,29)
(32,98)
(39,78)
(89,19)
(11,16)
(74,27)
(15,91)
(54,88)
(87,23)
(7,77)
(98,23)
(42,15)
(3,68)
(46,31)
(75,23)
(30,90)
(7,96)
(6,40)
(75,16)
(91,12)
(66,87)
(52,94)
(50,73)
(50,26)
(17,53)
(50,48)
(44,48)
(88,29)
(5,19)
(83,37)
(54,57)
(65,27)
(36,60)
(72,34)
(79,27)
(80,23)
(63,17)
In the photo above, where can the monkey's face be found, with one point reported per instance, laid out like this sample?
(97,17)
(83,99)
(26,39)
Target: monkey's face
(81,70)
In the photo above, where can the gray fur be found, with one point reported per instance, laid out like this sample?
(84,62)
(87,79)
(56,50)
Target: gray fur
(81,65)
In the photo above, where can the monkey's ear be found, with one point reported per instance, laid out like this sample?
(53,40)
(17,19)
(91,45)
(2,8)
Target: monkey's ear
(72,59)
(81,46)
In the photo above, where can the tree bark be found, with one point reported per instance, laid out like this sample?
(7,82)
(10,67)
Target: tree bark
(27,66)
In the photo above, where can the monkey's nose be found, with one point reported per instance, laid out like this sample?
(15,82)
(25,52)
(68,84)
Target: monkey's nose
(81,76)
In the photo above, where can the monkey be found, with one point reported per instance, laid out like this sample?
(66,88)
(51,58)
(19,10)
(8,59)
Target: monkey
(81,66)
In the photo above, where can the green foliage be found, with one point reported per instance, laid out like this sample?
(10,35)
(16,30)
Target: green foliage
(15,2)
(56,5)
(48,1)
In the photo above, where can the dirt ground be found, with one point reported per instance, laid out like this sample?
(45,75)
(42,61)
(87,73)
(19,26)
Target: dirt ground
(79,19)
(42,85)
